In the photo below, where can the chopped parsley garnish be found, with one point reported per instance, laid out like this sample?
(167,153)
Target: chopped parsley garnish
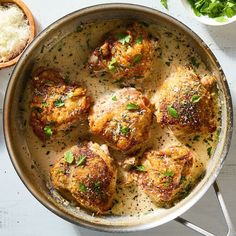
(139,39)
(82,188)
(124,130)
(168,34)
(137,58)
(45,104)
(111,65)
(164,3)
(81,160)
(168,63)
(195,98)
(140,168)
(172,112)
(69,157)
(219,10)
(196,138)
(182,179)
(48,131)
(194,62)
(97,186)
(169,173)
(166,184)
(209,151)
(79,28)
(123,38)
(114,98)
(132,107)
(59,103)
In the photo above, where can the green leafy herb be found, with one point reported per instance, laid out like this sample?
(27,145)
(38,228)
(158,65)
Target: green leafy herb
(140,168)
(124,130)
(166,184)
(79,28)
(123,38)
(48,131)
(97,186)
(168,34)
(172,112)
(195,98)
(209,151)
(194,62)
(220,10)
(169,173)
(81,160)
(111,65)
(114,98)
(69,157)
(82,188)
(182,179)
(137,58)
(196,138)
(132,106)
(45,104)
(139,39)
(59,103)
(168,63)
(164,3)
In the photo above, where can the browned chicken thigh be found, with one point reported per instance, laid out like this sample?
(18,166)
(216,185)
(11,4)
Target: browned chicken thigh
(168,175)
(86,174)
(122,120)
(56,106)
(125,53)
(185,105)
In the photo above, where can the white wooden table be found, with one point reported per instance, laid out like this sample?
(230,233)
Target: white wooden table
(22,214)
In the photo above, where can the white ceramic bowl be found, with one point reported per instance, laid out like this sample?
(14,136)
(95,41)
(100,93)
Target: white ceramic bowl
(205,19)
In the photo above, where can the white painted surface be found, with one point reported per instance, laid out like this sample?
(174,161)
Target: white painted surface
(22,214)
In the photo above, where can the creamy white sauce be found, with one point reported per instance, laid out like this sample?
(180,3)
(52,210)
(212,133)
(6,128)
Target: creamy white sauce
(70,55)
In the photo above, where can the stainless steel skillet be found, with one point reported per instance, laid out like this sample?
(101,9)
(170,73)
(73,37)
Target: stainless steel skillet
(18,146)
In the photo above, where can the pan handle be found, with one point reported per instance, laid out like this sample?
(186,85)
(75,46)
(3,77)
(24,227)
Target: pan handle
(231,230)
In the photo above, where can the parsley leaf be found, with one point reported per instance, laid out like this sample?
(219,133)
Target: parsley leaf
(81,160)
(111,65)
(194,62)
(69,157)
(140,168)
(48,131)
(97,186)
(124,130)
(114,98)
(132,107)
(137,58)
(139,39)
(172,112)
(45,104)
(123,38)
(164,3)
(169,173)
(219,10)
(59,103)
(209,151)
(195,98)
(83,188)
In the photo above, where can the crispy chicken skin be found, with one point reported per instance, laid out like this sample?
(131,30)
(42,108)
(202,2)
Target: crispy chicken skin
(88,178)
(123,120)
(55,106)
(169,174)
(125,53)
(185,104)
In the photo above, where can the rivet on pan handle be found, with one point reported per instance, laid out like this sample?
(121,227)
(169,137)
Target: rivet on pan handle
(231,230)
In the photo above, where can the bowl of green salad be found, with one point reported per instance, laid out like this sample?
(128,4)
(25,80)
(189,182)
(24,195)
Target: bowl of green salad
(212,12)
